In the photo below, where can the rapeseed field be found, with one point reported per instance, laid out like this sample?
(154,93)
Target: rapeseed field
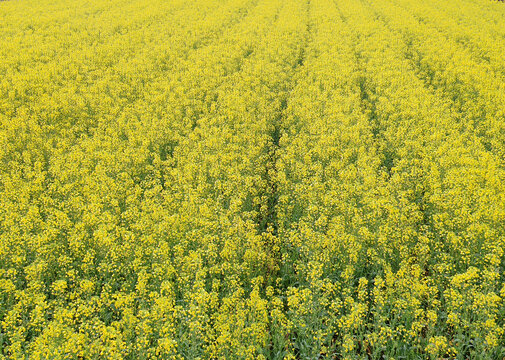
(252,179)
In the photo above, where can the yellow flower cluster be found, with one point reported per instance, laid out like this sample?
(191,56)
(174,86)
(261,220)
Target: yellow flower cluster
(252,179)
